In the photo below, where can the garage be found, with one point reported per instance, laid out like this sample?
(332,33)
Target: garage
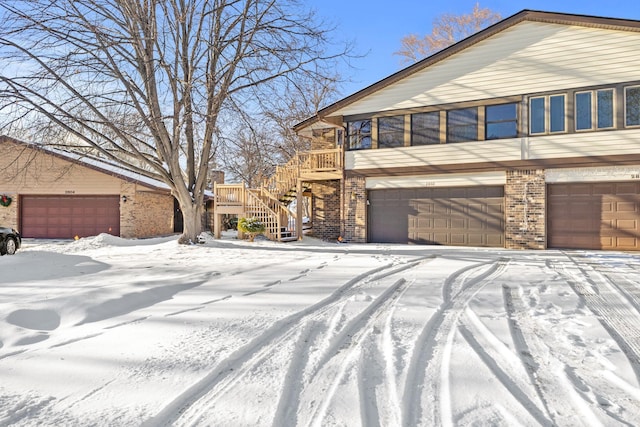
(64,217)
(602,215)
(459,216)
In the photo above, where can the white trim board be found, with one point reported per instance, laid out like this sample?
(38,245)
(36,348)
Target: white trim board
(598,174)
(445,180)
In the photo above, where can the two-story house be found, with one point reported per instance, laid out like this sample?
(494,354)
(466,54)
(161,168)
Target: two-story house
(524,135)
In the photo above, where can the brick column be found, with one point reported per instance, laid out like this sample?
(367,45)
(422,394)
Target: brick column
(354,228)
(326,209)
(524,197)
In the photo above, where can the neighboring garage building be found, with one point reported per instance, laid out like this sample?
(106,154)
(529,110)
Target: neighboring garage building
(55,194)
(524,135)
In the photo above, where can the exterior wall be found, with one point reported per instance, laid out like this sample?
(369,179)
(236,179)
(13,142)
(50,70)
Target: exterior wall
(586,144)
(145,214)
(32,172)
(9,214)
(326,209)
(525,58)
(525,209)
(354,222)
(28,171)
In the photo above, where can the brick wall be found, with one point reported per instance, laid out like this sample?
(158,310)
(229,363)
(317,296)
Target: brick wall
(525,194)
(9,214)
(326,209)
(355,210)
(145,214)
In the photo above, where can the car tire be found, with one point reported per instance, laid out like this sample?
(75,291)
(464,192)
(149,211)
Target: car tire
(8,247)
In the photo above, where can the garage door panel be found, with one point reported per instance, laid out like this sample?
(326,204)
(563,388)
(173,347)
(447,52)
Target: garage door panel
(69,216)
(446,216)
(594,215)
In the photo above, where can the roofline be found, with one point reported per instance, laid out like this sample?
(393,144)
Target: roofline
(523,15)
(4,138)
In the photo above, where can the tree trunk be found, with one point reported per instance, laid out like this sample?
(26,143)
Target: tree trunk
(192,215)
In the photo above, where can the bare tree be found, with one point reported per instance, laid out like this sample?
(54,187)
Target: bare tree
(447,29)
(144,82)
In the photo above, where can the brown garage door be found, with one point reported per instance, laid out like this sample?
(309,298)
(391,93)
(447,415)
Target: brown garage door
(64,217)
(461,216)
(602,215)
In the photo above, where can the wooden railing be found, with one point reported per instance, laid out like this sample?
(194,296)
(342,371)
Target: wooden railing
(266,203)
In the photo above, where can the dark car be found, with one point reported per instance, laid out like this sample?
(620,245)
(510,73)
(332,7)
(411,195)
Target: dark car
(10,241)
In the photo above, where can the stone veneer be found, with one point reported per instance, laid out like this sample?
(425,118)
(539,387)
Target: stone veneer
(354,221)
(326,209)
(524,200)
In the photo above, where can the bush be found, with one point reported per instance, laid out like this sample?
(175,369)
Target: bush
(251,226)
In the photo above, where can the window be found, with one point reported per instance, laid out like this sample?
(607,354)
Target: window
(547,114)
(501,121)
(391,131)
(599,115)
(359,135)
(425,128)
(462,125)
(632,106)
(556,113)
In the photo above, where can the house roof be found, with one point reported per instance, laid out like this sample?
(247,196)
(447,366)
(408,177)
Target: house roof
(324,114)
(96,164)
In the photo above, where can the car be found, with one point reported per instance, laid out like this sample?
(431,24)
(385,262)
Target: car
(10,241)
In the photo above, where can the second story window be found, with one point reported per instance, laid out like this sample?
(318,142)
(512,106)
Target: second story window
(359,135)
(594,109)
(462,125)
(425,128)
(632,106)
(547,114)
(391,131)
(501,121)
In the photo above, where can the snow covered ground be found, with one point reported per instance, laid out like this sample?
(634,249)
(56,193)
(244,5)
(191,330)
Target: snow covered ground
(105,331)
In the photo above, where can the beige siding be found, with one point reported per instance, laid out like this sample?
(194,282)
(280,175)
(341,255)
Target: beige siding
(584,144)
(465,152)
(588,144)
(27,171)
(526,58)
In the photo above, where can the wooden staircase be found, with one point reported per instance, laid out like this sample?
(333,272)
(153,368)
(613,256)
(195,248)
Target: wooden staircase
(270,203)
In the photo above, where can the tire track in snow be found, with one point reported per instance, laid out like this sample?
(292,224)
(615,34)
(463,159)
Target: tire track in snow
(563,405)
(503,364)
(188,407)
(428,367)
(343,353)
(608,303)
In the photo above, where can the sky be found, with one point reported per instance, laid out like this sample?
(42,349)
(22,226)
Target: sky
(376,27)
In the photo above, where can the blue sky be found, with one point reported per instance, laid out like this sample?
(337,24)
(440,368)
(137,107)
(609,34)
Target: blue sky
(377,26)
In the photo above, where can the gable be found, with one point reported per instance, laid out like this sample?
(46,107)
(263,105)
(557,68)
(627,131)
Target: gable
(32,170)
(527,57)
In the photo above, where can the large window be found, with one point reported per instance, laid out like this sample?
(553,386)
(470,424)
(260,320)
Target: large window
(359,135)
(547,114)
(425,128)
(462,125)
(501,121)
(632,106)
(594,109)
(391,131)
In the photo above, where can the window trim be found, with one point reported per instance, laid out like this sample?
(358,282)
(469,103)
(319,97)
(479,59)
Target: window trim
(627,126)
(595,109)
(359,134)
(547,114)
(516,120)
(401,131)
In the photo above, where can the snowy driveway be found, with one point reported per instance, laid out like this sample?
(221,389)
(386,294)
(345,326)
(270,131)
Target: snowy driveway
(105,331)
